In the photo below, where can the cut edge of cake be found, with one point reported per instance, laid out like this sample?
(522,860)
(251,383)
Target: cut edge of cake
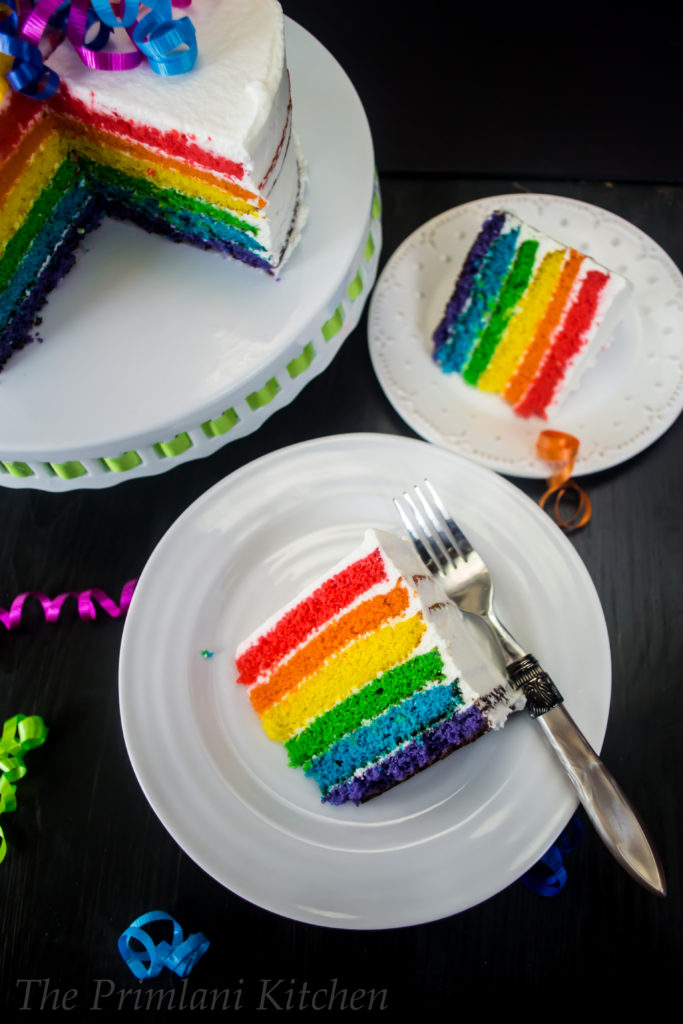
(371,675)
(67,162)
(527,316)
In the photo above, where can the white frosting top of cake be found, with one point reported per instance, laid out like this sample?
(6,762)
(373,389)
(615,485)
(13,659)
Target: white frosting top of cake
(226,99)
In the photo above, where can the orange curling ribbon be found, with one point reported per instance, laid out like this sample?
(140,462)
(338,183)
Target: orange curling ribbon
(562,449)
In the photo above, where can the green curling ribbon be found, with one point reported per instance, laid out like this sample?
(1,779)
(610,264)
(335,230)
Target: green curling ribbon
(369,248)
(19,735)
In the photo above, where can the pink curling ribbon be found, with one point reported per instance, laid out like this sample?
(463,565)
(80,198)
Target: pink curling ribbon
(86,604)
(169,46)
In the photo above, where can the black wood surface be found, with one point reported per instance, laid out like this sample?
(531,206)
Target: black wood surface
(500,89)
(87,854)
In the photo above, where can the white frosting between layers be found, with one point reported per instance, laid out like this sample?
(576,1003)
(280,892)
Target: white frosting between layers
(234,100)
(612,302)
(463,658)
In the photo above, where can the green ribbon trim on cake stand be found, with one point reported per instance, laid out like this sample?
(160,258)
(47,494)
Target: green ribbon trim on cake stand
(179,444)
(376,206)
(302,362)
(257,399)
(356,287)
(122,463)
(18,469)
(68,470)
(334,324)
(222,424)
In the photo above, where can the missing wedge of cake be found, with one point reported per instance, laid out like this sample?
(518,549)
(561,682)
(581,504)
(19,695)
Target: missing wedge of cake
(527,316)
(207,158)
(371,675)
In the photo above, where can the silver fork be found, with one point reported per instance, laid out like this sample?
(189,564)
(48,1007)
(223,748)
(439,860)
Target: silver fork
(449,556)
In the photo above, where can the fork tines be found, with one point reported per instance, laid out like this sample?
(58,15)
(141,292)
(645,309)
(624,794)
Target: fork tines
(436,549)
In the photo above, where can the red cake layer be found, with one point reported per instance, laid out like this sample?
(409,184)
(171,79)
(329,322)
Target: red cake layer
(569,341)
(15,117)
(294,626)
(172,143)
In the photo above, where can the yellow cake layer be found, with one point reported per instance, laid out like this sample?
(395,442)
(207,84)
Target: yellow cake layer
(5,65)
(523,324)
(164,177)
(17,202)
(357,665)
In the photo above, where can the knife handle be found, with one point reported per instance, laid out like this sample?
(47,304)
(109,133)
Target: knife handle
(615,820)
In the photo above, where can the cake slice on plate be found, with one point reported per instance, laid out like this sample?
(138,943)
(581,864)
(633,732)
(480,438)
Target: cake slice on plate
(527,316)
(371,674)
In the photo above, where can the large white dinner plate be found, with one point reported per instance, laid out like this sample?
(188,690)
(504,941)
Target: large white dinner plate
(440,842)
(632,395)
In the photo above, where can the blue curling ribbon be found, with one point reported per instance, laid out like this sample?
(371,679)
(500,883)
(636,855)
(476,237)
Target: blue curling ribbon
(159,38)
(548,876)
(170,46)
(29,74)
(179,956)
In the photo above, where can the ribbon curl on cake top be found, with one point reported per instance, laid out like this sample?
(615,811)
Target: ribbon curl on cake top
(168,45)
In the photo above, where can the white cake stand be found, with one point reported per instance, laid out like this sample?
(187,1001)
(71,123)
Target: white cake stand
(155,354)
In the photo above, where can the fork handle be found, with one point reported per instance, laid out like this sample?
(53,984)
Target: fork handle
(615,820)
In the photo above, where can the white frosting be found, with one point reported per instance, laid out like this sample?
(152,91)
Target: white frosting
(227,101)
(611,305)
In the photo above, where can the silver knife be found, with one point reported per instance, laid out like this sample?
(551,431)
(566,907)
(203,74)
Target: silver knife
(605,803)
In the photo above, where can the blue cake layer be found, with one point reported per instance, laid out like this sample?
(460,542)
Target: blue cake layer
(465,329)
(370,742)
(67,212)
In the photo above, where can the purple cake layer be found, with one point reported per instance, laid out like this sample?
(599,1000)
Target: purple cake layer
(158,226)
(434,744)
(490,230)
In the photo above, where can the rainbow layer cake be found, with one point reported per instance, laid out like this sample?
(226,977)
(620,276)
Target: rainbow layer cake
(371,674)
(527,316)
(206,158)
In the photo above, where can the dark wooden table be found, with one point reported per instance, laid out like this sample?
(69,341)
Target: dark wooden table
(87,855)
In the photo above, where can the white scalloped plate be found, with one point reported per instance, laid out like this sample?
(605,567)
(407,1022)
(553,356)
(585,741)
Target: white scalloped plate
(440,842)
(632,395)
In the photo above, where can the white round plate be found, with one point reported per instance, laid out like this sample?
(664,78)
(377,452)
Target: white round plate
(632,395)
(444,840)
(145,340)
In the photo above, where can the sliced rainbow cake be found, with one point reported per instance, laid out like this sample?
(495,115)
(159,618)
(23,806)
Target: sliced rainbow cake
(206,158)
(527,316)
(371,674)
